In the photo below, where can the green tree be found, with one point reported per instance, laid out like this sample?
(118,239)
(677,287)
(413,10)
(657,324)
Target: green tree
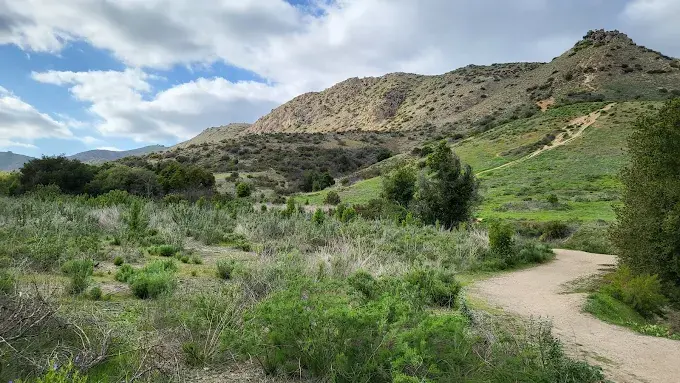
(137,181)
(70,176)
(243,189)
(647,233)
(400,185)
(447,193)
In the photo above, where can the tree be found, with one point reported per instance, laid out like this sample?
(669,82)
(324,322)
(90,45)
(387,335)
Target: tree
(647,232)
(70,176)
(137,181)
(399,185)
(447,193)
(313,180)
(332,198)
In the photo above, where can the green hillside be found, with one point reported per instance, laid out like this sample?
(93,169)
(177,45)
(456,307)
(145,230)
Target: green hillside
(582,173)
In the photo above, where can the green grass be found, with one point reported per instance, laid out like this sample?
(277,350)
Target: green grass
(610,310)
(358,193)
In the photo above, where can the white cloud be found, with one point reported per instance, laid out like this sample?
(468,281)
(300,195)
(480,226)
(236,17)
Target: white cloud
(117,101)
(110,148)
(295,49)
(21,123)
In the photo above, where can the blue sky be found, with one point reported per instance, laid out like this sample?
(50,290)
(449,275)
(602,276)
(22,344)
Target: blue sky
(85,74)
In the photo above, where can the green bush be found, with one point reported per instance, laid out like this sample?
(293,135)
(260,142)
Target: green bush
(501,242)
(437,287)
(226,268)
(238,241)
(118,261)
(163,251)
(319,217)
(332,198)
(64,374)
(125,273)
(7,282)
(95,293)
(149,285)
(243,189)
(534,252)
(79,270)
(555,230)
(641,292)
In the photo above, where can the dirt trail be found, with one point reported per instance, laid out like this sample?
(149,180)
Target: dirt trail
(539,292)
(574,129)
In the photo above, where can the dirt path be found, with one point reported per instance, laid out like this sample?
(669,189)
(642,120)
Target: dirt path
(574,129)
(539,292)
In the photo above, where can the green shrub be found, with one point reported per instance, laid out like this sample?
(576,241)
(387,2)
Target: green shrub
(196,260)
(79,270)
(319,217)
(243,189)
(437,287)
(95,293)
(332,198)
(118,261)
(534,252)
(149,285)
(238,241)
(500,240)
(193,355)
(348,214)
(7,282)
(125,273)
(185,259)
(64,374)
(365,283)
(641,292)
(555,230)
(226,268)
(553,199)
(163,250)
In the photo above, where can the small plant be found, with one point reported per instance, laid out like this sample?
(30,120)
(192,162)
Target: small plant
(196,260)
(553,199)
(95,293)
(641,292)
(437,287)
(185,259)
(193,354)
(194,273)
(243,189)
(332,198)
(319,217)
(118,261)
(79,270)
(500,240)
(125,273)
(225,268)
(263,208)
(7,282)
(163,250)
(149,285)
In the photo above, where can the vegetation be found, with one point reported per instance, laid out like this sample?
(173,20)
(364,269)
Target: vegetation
(646,233)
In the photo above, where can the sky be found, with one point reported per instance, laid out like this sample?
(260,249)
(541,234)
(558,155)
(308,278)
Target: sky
(77,75)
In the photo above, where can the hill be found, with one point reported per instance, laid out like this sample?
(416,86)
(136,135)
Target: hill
(100,156)
(11,161)
(215,135)
(602,66)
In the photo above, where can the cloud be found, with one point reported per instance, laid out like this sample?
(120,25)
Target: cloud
(118,102)
(110,148)
(296,49)
(21,123)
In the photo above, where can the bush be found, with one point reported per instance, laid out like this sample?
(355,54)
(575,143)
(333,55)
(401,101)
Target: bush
(438,287)
(243,189)
(118,261)
(332,198)
(79,270)
(70,176)
(641,292)
(63,374)
(319,217)
(125,273)
(163,251)
(95,293)
(553,199)
(149,285)
(348,214)
(7,282)
(500,240)
(399,185)
(226,268)
(555,230)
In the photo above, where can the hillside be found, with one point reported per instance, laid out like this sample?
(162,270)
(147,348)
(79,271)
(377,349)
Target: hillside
(11,161)
(215,135)
(100,156)
(602,66)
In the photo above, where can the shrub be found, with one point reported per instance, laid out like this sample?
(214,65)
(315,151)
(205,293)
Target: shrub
(641,292)
(226,268)
(238,241)
(243,189)
(534,252)
(365,283)
(7,282)
(319,217)
(125,273)
(332,198)
(151,284)
(436,286)
(70,176)
(500,240)
(196,260)
(118,261)
(399,185)
(79,270)
(64,374)
(95,293)
(555,230)
(163,250)
(348,214)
